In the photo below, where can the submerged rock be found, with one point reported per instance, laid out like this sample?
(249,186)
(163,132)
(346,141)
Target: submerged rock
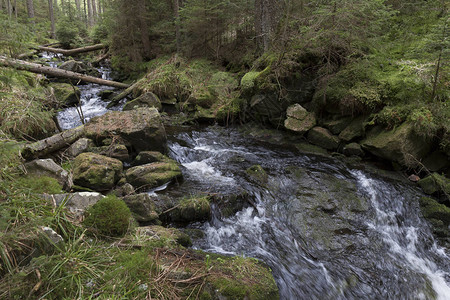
(141,129)
(299,119)
(47,167)
(152,175)
(257,173)
(191,210)
(96,171)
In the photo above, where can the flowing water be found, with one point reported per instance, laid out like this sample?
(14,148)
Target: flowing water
(91,104)
(326,231)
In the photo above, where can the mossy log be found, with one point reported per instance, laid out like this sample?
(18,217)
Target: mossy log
(70,52)
(53,143)
(122,95)
(37,68)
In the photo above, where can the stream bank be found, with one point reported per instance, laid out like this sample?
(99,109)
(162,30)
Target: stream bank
(266,201)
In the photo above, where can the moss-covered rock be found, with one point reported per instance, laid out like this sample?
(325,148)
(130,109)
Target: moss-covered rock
(117,151)
(145,100)
(152,175)
(47,167)
(239,278)
(337,125)
(257,173)
(147,157)
(435,183)
(299,119)
(110,216)
(399,145)
(191,209)
(141,129)
(353,149)
(323,138)
(354,130)
(96,171)
(142,207)
(66,94)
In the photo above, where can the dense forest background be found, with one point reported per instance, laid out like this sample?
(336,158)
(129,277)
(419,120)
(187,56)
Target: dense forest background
(371,56)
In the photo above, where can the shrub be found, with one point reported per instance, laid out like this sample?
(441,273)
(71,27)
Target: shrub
(110,217)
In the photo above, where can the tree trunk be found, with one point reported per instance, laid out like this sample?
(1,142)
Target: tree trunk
(52,19)
(30,9)
(15,8)
(266,12)
(94,11)
(90,16)
(36,68)
(51,144)
(176,8)
(71,52)
(142,16)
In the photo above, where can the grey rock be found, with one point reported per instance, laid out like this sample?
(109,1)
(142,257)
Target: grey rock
(80,146)
(47,167)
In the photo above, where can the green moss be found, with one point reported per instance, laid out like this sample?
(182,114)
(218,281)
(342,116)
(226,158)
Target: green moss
(432,209)
(257,173)
(245,278)
(435,183)
(110,216)
(192,208)
(249,79)
(40,184)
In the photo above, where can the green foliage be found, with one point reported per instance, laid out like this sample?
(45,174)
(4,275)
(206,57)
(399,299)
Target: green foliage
(40,184)
(110,216)
(23,101)
(15,37)
(70,32)
(424,122)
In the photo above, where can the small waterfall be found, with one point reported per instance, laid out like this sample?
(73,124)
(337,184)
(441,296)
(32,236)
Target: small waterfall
(326,232)
(404,241)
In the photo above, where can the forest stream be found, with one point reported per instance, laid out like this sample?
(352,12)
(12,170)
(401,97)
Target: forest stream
(327,231)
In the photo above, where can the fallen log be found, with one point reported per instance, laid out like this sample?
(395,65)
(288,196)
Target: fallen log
(51,144)
(37,68)
(69,52)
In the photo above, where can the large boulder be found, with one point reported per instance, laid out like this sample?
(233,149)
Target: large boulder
(142,207)
(96,171)
(66,94)
(437,161)
(323,138)
(145,100)
(299,119)
(399,145)
(336,126)
(141,129)
(47,167)
(152,175)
